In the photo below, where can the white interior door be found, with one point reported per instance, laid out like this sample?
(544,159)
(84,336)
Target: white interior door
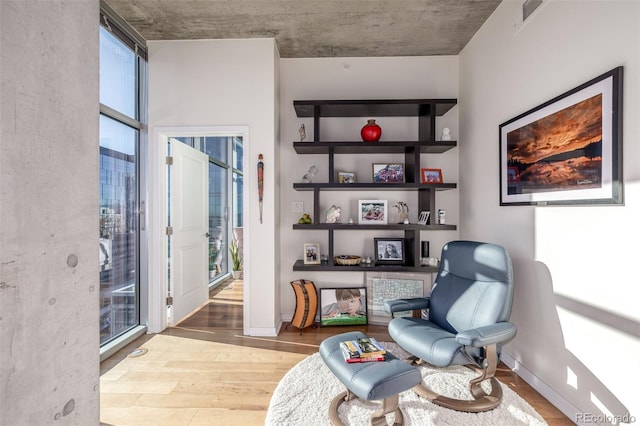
(189,244)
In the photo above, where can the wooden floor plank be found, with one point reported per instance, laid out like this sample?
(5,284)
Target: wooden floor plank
(228,417)
(229,398)
(145,416)
(205,372)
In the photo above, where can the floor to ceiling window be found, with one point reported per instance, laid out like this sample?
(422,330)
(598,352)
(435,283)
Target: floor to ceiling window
(225,199)
(122,118)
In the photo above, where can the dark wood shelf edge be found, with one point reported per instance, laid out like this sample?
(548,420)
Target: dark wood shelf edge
(355,227)
(385,147)
(369,107)
(300,266)
(373,186)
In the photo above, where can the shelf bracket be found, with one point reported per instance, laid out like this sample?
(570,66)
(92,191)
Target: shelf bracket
(332,151)
(316,204)
(316,123)
(330,254)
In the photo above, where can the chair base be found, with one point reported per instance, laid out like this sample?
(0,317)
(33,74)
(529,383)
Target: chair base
(389,405)
(482,401)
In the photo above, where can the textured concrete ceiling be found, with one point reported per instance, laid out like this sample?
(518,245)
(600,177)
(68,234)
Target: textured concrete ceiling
(317,28)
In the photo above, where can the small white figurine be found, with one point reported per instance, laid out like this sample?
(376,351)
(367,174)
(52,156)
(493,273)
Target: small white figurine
(333,214)
(446,134)
(303,133)
(311,173)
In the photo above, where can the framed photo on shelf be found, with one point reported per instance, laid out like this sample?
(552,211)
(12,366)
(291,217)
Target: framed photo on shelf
(372,212)
(388,173)
(384,286)
(346,177)
(423,217)
(343,306)
(389,251)
(567,150)
(431,175)
(311,254)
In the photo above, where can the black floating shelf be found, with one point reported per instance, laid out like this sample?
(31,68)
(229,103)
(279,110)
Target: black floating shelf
(374,107)
(300,266)
(388,227)
(385,147)
(370,186)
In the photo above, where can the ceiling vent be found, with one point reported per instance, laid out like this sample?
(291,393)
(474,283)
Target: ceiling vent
(528,7)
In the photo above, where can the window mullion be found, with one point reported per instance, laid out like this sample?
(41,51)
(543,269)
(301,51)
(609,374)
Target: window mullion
(122,118)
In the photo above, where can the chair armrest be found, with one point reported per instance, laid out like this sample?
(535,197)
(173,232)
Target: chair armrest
(400,305)
(501,332)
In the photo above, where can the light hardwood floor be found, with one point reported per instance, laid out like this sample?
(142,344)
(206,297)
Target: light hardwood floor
(205,372)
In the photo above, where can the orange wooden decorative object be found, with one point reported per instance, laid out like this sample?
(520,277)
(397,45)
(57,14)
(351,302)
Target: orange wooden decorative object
(306,303)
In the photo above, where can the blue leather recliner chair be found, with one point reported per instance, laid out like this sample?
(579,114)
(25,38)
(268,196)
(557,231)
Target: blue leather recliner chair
(468,320)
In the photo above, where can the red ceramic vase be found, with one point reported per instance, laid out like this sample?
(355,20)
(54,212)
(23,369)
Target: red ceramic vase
(371,132)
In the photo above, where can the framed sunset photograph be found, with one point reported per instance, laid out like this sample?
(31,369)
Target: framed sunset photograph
(567,150)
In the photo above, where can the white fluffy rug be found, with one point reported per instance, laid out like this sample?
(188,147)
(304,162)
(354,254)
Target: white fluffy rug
(303,396)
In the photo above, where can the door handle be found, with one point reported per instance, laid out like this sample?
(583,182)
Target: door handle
(141,216)
(206,235)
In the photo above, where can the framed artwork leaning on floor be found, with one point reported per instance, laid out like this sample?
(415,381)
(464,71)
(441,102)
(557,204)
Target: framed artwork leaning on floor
(343,306)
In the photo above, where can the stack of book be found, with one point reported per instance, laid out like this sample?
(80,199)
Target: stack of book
(363,350)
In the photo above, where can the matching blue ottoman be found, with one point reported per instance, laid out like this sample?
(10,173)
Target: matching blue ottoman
(382,380)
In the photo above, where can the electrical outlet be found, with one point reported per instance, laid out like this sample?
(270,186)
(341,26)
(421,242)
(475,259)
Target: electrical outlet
(297,206)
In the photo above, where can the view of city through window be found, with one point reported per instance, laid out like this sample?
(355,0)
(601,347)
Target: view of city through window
(118,230)
(119,159)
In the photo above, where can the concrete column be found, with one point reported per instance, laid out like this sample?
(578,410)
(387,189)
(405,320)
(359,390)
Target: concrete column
(49,287)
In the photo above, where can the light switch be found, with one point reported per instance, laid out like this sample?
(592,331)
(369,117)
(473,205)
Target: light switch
(297,206)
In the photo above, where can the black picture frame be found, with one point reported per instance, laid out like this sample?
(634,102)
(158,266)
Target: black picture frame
(343,306)
(389,251)
(567,150)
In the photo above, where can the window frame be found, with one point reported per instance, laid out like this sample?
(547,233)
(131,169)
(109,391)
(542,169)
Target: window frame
(110,21)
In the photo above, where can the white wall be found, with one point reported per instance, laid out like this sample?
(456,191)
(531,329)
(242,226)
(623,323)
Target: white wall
(576,287)
(224,83)
(49,289)
(356,78)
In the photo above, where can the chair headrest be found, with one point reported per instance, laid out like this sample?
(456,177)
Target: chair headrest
(476,261)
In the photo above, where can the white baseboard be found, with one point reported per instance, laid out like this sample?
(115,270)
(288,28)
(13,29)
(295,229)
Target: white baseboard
(265,332)
(567,408)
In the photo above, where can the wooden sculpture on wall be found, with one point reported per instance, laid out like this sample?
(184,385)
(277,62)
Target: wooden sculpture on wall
(260,183)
